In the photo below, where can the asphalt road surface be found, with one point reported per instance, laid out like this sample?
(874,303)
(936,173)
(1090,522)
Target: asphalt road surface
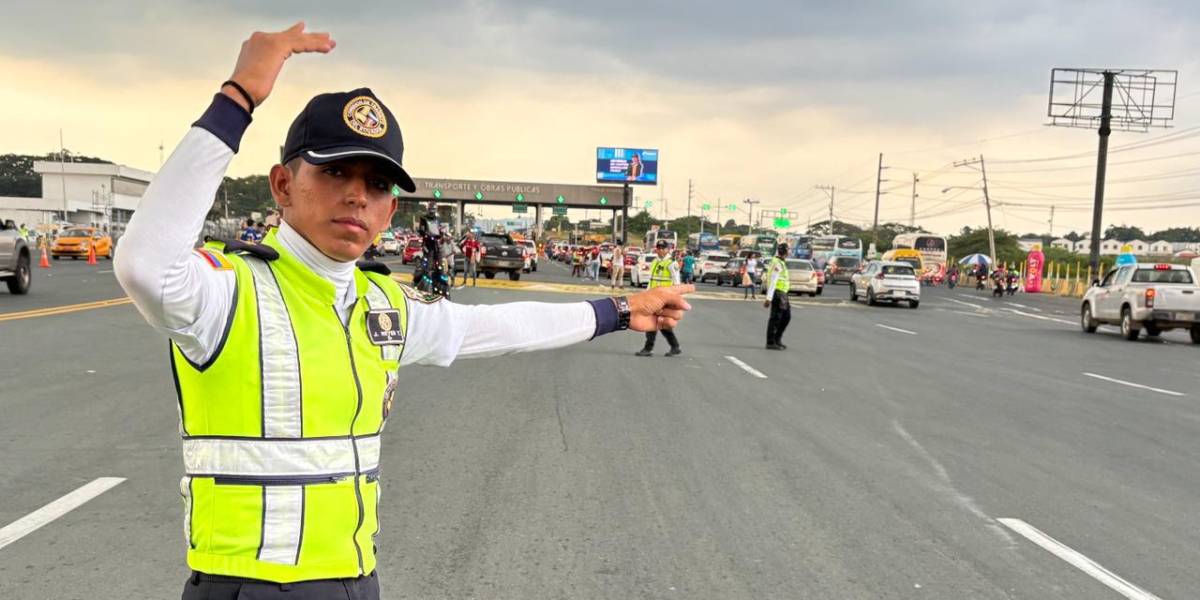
(971,448)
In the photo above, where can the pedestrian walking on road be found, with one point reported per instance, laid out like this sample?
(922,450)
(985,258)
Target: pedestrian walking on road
(777,288)
(689,268)
(594,264)
(577,263)
(617,267)
(748,285)
(664,272)
(281,488)
(470,250)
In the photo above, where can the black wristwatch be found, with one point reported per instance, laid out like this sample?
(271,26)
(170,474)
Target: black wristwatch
(623,312)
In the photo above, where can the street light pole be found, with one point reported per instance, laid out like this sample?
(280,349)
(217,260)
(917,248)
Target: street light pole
(986,200)
(750,214)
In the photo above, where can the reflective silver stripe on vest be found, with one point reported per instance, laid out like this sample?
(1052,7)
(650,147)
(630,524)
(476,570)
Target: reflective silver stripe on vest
(268,458)
(279,355)
(377,300)
(185,490)
(283,524)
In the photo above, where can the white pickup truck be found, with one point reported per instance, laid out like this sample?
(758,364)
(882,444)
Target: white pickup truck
(1149,297)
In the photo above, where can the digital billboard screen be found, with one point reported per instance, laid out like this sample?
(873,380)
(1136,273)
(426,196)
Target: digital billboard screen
(627,165)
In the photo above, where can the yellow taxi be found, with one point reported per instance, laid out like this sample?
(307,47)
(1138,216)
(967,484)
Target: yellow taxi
(906,255)
(74,242)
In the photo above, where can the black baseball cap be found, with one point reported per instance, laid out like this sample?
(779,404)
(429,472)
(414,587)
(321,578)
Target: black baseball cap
(352,124)
(662,244)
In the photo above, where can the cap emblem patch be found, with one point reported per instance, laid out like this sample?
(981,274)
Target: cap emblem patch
(365,116)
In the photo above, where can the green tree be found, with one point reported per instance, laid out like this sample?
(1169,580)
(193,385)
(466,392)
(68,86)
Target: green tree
(1124,233)
(640,223)
(975,241)
(1073,236)
(1178,234)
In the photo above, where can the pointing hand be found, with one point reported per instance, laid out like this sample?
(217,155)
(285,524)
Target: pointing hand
(659,308)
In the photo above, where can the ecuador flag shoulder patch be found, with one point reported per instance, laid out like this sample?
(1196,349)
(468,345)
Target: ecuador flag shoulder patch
(216,260)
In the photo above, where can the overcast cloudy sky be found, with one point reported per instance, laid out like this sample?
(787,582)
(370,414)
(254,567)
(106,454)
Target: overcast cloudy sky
(760,99)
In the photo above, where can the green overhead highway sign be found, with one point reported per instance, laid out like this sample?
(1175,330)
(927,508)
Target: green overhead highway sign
(706,206)
(560,210)
(520,208)
(733,207)
(649,204)
(782,223)
(783,212)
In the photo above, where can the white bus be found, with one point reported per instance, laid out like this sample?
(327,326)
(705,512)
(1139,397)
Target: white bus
(932,248)
(655,235)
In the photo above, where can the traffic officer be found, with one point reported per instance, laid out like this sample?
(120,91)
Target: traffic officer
(777,298)
(285,353)
(664,272)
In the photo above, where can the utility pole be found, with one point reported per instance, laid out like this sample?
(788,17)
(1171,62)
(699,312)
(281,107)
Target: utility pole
(1051,220)
(689,208)
(912,214)
(878,181)
(718,217)
(986,200)
(830,189)
(62,166)
(750,214)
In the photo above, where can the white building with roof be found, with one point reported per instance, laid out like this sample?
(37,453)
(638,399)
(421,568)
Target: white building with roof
(80,193)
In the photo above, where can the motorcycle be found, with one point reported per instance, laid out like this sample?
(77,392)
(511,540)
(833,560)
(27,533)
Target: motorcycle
(998,285)
(952,280)
(1013,282)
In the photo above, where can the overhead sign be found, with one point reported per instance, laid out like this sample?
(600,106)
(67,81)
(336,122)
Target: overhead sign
(503,193)
(520,208)
(637,166)
(560,210)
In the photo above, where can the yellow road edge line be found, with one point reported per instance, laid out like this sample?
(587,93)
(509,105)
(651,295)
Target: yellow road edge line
(65,309)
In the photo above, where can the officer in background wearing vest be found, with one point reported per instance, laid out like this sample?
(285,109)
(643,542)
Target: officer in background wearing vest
(664,272)
(777,289)
(286,353)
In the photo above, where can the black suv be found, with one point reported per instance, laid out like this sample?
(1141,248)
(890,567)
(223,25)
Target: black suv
(500,253)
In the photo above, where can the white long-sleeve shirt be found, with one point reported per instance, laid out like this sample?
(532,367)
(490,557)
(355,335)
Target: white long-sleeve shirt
(180,294)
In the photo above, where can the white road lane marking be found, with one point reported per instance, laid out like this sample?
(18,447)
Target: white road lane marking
(105,271)
(1134,385)
(1042,317)
(745,367)
(48,513)
(971,304)
(1077,560)
(895,329)
(1033,308)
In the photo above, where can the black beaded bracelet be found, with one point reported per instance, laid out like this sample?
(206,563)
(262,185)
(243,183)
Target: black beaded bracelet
(241,90)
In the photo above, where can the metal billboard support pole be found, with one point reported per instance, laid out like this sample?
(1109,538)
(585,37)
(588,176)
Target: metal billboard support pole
(1101,169)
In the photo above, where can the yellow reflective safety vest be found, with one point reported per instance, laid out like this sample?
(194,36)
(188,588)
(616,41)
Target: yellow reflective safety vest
(660,273)
(281,427)
(782,283)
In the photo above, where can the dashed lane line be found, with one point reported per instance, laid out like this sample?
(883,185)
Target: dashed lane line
(897,329)
(1077,560)
(745,367)
(1133,385)
(48,513)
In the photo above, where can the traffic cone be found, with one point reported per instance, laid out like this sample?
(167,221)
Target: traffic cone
(91,254)
(45,262)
